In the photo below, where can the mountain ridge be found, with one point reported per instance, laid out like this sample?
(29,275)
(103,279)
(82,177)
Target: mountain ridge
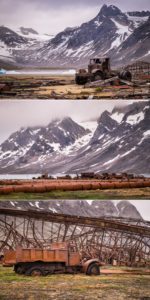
(122,36)
(86,208)
(118,142)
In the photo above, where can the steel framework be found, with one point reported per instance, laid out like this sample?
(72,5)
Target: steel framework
(126,241)
(139,68)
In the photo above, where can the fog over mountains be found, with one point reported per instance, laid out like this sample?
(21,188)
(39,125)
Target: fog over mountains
(117,142)
(124,36)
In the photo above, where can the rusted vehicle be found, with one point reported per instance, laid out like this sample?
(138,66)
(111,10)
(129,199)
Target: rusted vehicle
(99,69)
(87,175)
(60,258)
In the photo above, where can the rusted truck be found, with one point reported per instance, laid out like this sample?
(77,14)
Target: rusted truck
(99,69)
(60,258)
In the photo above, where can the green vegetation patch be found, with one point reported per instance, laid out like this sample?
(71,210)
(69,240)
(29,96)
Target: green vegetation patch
(140,193)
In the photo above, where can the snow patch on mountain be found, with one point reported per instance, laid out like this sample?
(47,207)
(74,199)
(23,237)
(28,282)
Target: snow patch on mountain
(123,32)
(137,20)
(117,116)
(112,160)
(4,51)
(135,119)
(147,133)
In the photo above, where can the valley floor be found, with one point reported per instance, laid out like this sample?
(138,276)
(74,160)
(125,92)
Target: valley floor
(138,193)
(63,87)
(115,285)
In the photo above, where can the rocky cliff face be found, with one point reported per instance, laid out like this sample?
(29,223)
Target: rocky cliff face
(119,143)
(127,209)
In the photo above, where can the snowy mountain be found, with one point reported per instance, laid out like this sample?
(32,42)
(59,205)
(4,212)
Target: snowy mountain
(109,33)
(122,36)
(33,145)
(10,41)
(16,42)
(95,208)
(117,142)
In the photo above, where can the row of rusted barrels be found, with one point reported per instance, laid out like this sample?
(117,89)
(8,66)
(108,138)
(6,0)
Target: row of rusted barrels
(66,181)
(72,186)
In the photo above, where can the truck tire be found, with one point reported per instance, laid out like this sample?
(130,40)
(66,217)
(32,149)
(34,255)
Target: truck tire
(93,269)
(98,76)
(81,80)
(19,269)
(34,271)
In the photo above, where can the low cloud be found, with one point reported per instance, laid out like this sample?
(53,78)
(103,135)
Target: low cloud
(54,16)
(17,114)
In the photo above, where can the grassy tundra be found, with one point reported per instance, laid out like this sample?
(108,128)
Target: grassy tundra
(138,193)
(115,286)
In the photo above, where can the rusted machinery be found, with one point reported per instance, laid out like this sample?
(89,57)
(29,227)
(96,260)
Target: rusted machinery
(109,176)
(99,69)
(62,257)
(140,70)
(127,241)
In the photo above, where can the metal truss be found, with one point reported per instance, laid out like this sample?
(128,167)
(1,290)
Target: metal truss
(126,241)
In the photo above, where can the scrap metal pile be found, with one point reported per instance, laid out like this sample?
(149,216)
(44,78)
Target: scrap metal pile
(123,241)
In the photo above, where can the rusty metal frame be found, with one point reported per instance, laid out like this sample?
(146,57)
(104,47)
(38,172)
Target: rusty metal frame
(125,240)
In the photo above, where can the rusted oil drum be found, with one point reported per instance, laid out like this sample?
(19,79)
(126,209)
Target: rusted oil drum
(146,183)
(122,185)
(39,188)
(18,188)
(140,184)
(107,185)
(76,187)
(28,188)
(50,187)
(133,184)
(6,190)
(95,186)
(65,187)
(86,186)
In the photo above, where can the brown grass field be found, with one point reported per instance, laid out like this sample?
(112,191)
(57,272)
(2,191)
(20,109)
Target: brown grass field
(63,87)
(138,193)
(72,287)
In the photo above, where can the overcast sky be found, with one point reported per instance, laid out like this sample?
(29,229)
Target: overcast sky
(48,16)
(15,114)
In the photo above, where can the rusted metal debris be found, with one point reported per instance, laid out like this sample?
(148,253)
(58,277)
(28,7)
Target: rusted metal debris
(139,68)
(126,241)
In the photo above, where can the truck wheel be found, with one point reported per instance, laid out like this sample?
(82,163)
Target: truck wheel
(81,80)
(93,269)
(18,269)
(34,272)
